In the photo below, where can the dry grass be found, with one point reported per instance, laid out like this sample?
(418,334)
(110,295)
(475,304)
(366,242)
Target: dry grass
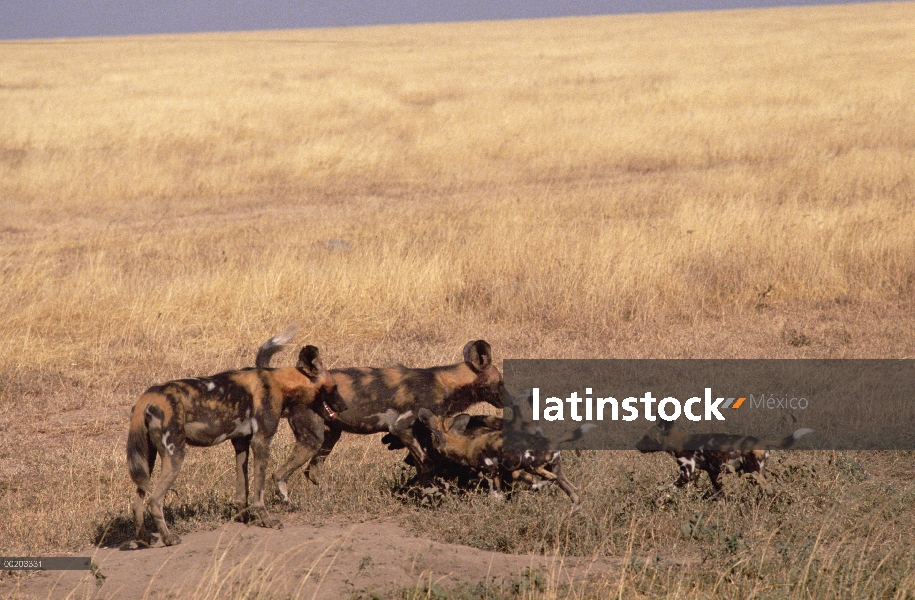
(619,186)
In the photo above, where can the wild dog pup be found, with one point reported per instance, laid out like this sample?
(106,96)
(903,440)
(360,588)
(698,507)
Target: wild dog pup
(243,406)
(483,449)
(386,400)
(713,452)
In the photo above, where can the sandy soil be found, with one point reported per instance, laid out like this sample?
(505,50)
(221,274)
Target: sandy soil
(323,561)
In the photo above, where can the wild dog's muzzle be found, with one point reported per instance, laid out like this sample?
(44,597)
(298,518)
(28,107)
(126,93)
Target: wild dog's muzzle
(331,413)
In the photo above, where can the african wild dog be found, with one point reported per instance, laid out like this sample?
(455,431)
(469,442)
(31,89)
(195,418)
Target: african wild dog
(439,465)
(244,406)
(712,452)
(522,431)
(482,449)
(387,400)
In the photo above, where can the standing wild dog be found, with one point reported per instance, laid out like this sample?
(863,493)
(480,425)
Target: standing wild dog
(387,400)
(244,406)
(482,449)
(713,452)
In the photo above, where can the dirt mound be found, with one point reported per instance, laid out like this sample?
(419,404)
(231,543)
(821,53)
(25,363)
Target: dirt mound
(325,561)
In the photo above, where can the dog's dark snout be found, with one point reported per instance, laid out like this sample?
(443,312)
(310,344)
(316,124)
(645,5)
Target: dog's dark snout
(335,400)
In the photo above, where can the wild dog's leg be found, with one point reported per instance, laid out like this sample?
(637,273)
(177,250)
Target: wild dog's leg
(144,487)
(141,459)
(760,460)
(331,436)
(172,459)
(714,471)
(755,463)
(139,513)
(165,435)
(563,481)
(533,481)
(260,448)
(308,429)
(761,469)
(403,429)
(302,452)
(241,445)
(688,473)
(564,484)
(496,478)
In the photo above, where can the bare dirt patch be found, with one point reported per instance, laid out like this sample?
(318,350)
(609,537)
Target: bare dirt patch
(312,561)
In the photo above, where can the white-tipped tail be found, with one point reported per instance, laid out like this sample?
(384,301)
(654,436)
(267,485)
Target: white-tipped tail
(285,336)
(801,433)
(274,345)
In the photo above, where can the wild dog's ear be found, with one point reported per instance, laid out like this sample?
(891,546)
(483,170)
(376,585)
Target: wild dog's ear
(665,425)
(430,420)
(439,440)
(427,417)
(478,354)
(310,361)
(459,425)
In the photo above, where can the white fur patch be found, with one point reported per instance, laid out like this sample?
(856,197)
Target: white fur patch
(244,427)
(168,446)
(687,464)
(152,421)
(388,418)
(801,433)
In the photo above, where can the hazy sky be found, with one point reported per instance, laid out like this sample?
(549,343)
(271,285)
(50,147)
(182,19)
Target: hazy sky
(25,19)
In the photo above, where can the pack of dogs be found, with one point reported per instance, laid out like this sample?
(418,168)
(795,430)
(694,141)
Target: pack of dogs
(418,409)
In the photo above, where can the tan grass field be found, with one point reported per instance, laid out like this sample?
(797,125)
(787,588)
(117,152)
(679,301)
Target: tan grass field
(625,186)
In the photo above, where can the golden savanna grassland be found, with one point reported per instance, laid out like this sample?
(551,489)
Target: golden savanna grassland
(701,184)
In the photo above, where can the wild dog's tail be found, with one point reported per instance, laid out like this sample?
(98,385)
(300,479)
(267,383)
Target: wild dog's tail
(141,454)
(789,440)
(274,345)
(575,434)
